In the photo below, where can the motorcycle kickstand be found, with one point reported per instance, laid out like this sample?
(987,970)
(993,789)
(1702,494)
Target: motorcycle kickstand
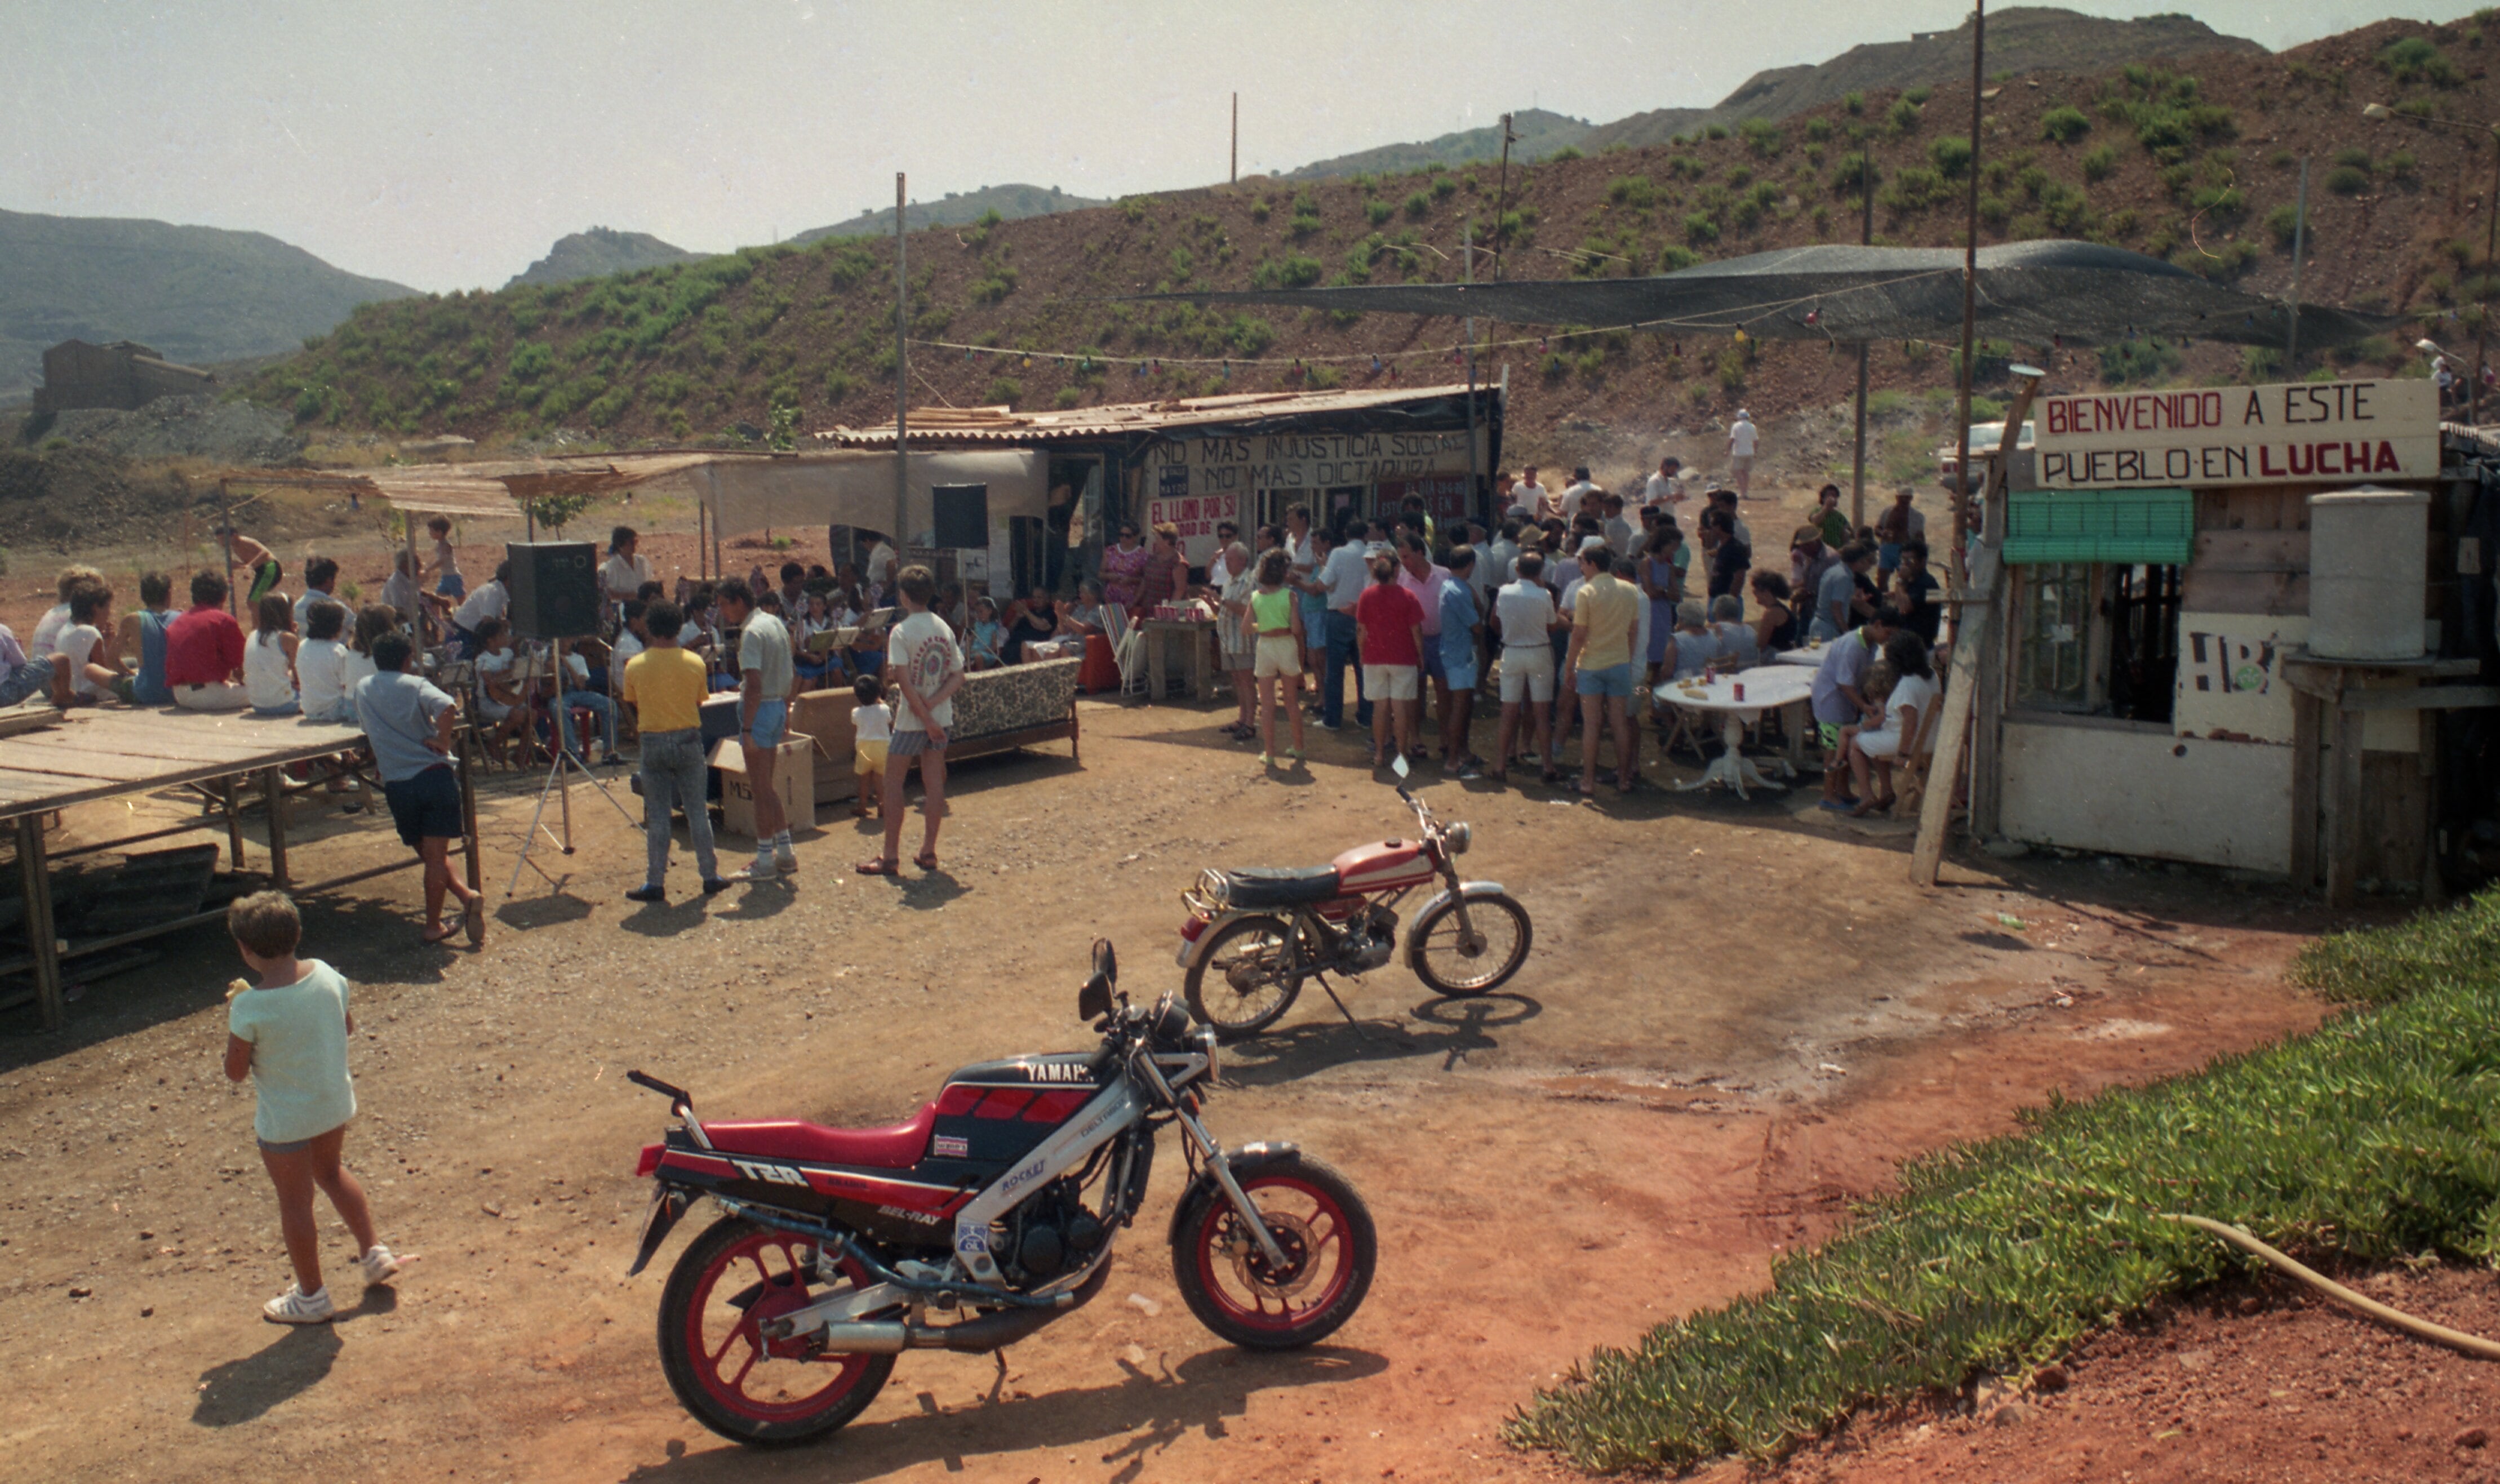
(1360,1033)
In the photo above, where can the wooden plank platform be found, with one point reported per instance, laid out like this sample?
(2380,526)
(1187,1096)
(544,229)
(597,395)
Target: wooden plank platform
(113,750)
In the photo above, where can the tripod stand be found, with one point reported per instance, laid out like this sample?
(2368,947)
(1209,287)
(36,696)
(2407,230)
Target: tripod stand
(561,766)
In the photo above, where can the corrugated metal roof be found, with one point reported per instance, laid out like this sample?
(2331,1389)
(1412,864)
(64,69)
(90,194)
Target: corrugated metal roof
(999,425)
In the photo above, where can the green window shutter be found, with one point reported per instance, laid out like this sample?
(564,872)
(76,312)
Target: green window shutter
(2153,526)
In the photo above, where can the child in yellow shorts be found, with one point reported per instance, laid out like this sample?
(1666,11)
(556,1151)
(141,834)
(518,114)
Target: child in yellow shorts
(871,728)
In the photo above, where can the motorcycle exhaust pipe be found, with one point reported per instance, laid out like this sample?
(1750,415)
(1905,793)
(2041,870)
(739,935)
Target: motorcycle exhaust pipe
(973,1336)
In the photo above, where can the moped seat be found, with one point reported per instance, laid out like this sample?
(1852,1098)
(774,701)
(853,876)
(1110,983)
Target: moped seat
(899,1147)
(1280,885)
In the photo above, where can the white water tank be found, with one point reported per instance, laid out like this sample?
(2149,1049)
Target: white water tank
(2368,568)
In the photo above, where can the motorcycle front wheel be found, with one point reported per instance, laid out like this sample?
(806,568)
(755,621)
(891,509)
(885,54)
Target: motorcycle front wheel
(1479,962)
(1246,977)
(1323,1230)
(732,1280)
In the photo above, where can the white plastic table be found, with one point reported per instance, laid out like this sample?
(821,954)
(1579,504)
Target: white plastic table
(1767,688)
(1810,656)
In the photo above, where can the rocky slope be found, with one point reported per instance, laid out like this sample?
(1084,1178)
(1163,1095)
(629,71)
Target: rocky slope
(1536,133)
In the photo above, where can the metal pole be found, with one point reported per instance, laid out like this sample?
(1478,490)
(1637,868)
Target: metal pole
(1865,238)
(1235,172)
(2482,325)
(225,524)
(2299,246)
(902,382)
(1501,200)
(1969,307)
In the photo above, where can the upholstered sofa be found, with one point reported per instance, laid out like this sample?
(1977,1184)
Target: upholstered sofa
(996,711)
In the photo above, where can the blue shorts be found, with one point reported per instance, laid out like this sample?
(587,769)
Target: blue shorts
(426,806)
(772,723)
(452,585)
(1433,667)
(1612,681)
(1460,675)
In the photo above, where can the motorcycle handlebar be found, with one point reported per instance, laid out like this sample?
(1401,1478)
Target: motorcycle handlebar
(676,1096)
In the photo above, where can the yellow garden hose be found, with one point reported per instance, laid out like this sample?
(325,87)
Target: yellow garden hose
(2422,1328)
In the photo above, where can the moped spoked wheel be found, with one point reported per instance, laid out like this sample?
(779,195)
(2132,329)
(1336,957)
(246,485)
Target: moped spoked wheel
(1477,962)
(1247,977)
(733,1280)
(1233,1288)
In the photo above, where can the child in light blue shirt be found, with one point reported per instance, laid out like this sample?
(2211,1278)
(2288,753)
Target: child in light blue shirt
(289,1035)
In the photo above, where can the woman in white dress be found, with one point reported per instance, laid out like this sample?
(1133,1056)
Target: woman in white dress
(1871,753)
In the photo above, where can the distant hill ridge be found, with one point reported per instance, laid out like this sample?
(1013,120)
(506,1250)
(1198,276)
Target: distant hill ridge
(1012,203)
(2021,40)
(598,253)
(198,294)
(1537,133)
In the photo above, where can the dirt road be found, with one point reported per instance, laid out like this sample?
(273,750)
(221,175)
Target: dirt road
(1737,1019)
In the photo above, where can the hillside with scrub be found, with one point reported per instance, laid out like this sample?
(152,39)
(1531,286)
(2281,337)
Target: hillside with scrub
(2197,163)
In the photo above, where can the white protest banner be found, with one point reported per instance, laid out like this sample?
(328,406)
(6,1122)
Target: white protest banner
(1194,515)
(2303,433)
(1312,461)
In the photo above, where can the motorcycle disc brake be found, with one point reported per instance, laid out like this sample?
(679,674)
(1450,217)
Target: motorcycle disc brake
(1250,1264)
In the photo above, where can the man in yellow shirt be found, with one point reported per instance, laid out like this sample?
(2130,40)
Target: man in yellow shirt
(666,687)
(1605,615)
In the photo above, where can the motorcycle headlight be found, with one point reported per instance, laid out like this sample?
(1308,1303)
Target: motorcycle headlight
(1458,837)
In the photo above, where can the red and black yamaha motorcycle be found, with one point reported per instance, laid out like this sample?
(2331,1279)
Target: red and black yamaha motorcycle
(1254,936)
(984,1218)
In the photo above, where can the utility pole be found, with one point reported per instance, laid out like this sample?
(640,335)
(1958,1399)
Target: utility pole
(1234,175)
(1961,571)
(1476,495)
(902,383)
(2299,245)
(1865,239)
(1500,201)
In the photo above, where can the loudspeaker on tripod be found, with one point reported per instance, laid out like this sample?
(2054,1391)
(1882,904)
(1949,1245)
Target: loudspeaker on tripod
(554,588)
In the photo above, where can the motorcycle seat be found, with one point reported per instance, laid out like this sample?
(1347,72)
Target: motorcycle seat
(1280,885)
(899,1147)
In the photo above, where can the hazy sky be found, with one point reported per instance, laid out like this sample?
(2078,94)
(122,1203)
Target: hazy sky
(446,145)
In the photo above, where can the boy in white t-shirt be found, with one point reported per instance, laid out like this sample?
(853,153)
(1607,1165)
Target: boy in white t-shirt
(871,728)
(82,671)
(928,669)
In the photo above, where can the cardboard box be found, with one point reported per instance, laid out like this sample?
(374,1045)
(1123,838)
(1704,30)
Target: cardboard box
(826,715)
(794,779)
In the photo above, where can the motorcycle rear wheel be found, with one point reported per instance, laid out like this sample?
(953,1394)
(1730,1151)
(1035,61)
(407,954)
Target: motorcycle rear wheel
(1247,977)
(1458,970)
(1330,1249)
(766,1393)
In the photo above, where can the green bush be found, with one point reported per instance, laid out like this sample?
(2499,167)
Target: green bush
(1638,192)
(2127,362)
(1914,191)
(2283,224)
(1067,397)
(1259,209)
(1675,255)
(1715,131)
(2415,59)
(1419,206)
(2099,162)
(2354,157)
(1700,228)
(1903,117)
(2065,123)
(1853,102)
(1818,131)
(2367,1139)
(1377,211)
(1848,173)
(2165,111)
(2347,180)
(1445,187)
(1952,157)
(1763,136)
(1920,95)
(1005,390)
(1294,271)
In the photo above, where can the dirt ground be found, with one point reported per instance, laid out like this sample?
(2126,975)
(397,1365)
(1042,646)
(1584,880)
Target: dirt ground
(2246,1382)
(1737,1019)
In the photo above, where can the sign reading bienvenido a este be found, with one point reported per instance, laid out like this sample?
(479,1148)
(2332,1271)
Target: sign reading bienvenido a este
(2297,434)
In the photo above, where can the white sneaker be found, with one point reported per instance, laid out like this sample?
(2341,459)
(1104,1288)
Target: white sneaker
(296,1306)
(786,861)
(379,1266)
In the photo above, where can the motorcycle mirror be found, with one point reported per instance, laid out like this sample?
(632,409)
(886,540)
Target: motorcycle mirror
(1105,962)
(1094,1000)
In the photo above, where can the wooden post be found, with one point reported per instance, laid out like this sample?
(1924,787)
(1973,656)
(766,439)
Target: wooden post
(1865,239)
(233,823)
(1971,637)
(2344,810)
(1958,564)
(34,880)
(225,538)
(469,820)
(2305,741)
(272,794)
(420,620)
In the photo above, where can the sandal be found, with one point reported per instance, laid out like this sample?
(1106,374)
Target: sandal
(1548,775)
(886,867)
(474,920)
(925,860)
(433,935)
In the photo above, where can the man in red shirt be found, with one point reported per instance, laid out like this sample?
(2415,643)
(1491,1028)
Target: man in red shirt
(1388,629)
(204,651)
